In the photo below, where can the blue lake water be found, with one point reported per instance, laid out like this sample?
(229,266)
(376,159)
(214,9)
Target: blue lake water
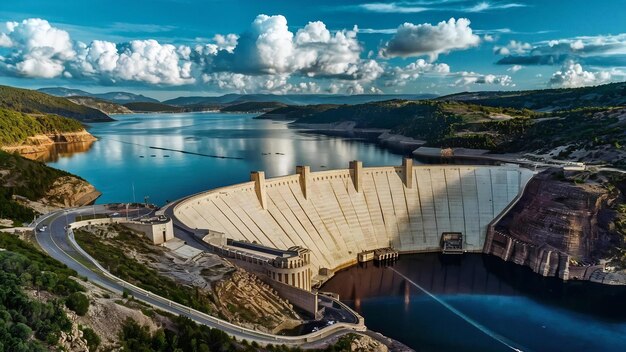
(122,156)
(479,304)
(482,304)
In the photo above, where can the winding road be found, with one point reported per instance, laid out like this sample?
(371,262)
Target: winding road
(58,245)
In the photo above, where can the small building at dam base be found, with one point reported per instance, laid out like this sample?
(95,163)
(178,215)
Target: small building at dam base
(329,217)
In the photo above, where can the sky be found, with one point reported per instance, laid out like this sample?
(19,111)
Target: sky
(169,48)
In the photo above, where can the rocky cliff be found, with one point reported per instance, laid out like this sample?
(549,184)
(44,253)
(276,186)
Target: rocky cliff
(562,227)
(246,300)
(41,143)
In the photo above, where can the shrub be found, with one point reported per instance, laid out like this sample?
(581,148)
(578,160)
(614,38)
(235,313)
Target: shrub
(93,340)
(78,302)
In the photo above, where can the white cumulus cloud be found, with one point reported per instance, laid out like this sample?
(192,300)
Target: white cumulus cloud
(431,40)
(400,76)
(39,50)
(572,75)
(468,78)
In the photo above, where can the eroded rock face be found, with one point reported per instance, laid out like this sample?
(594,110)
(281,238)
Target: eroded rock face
(244,298)
(558,228)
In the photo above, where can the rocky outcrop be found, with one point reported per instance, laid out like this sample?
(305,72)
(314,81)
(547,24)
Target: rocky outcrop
(69,191)
(73,340)
(245,300)
(41,143)
(558,228)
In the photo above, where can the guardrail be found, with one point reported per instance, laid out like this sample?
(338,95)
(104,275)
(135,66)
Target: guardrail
(246,333)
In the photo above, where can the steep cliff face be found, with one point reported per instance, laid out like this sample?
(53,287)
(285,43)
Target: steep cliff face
(559,227)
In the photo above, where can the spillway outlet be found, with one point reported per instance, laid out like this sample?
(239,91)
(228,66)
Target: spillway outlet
(452,243)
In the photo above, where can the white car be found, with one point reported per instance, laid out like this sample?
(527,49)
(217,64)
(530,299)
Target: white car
(43,228)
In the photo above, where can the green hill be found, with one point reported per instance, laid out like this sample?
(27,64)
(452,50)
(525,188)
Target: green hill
(432,121)
(253,107)
(153,107)
(105,106)
(33,102)
(15,126)
(613,94)
(26,178)
(589,134)
(294,112)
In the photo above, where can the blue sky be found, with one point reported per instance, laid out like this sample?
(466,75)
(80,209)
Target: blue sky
(167,48)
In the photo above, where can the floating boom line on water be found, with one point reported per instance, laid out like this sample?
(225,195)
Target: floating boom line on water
(503,340)
(176,150)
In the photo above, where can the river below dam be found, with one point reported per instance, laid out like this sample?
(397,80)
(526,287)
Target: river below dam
(475,302)
(429,302)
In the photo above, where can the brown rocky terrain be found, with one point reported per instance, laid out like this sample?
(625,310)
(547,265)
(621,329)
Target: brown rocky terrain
(246,300)
(563,226)
(69,191)
(35,146)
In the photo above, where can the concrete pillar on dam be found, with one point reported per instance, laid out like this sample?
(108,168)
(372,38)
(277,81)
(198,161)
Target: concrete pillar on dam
(407,172)
(259,187)
(356,172)
(305,174)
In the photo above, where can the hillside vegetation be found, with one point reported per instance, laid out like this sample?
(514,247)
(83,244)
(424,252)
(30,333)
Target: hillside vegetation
(613,94)
(30,324)
(253,107)
(15,126)
(431,121)
(585,134)
(103,105)
(293,112)
(33,102)
(152,107)
(26,178)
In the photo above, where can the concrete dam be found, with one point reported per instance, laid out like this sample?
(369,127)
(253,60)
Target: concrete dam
(337,214)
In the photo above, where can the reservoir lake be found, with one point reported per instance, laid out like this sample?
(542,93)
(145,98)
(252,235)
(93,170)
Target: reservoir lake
(427,301)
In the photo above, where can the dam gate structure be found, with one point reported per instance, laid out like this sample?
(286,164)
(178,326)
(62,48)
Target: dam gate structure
(337,214)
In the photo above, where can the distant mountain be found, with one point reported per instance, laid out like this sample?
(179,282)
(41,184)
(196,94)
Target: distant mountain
(34,102)
(64,92)
(613,94)
(105,106)
(295,99)
(115,97)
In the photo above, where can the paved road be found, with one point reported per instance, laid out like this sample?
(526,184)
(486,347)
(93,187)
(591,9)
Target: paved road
(55,242)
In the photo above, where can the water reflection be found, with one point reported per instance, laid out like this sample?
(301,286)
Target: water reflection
(511,302)
(123,155)
(62,150)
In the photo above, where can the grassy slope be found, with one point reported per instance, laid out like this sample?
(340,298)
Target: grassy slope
(29,101)
(15,126)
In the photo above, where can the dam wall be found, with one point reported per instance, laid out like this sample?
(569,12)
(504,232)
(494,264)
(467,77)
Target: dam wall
(339,213)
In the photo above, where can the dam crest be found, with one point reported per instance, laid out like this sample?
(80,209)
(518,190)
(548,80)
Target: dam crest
(338,214)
